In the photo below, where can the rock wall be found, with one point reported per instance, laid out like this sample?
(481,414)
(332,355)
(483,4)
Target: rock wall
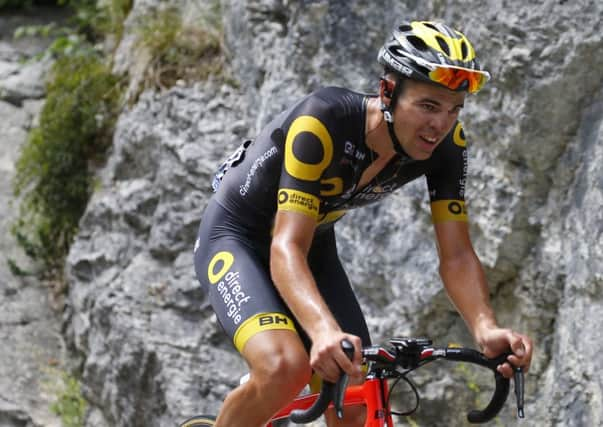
(32,350)
(148,344)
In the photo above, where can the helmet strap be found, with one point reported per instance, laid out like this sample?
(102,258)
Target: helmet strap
(388,115)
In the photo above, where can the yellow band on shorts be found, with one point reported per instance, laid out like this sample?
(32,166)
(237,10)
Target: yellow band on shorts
(261,322)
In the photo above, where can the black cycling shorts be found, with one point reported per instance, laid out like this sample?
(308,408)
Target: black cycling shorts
(232,265)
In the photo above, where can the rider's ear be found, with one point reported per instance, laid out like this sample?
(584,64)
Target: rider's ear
(386,89)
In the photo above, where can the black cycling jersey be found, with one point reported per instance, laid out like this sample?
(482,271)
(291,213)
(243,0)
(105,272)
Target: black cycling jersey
(309,159)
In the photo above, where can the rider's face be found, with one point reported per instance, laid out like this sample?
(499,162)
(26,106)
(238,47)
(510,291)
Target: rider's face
(424,115)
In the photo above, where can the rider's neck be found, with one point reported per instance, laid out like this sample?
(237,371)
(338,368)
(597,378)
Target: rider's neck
(377,136)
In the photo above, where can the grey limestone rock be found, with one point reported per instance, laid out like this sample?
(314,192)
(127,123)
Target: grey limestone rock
(151,351)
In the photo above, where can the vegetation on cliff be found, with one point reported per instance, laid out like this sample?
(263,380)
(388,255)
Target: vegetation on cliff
(55,173)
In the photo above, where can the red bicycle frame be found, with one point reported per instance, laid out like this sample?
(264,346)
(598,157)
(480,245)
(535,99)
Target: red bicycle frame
(406,354)
(373,394)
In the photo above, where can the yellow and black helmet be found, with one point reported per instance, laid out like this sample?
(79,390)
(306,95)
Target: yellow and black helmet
(434,52)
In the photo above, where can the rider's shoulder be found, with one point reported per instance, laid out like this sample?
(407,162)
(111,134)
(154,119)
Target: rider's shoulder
(456,137)
(327,95)
(336,94)
(331,100)
(454,145)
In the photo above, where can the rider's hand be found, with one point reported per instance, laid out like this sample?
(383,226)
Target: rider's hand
(495,340)
(328,359)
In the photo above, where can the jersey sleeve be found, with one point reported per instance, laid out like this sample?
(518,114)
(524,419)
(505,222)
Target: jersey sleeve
(308,153)
(447,181)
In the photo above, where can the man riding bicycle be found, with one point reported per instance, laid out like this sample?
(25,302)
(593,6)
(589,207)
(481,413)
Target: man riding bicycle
(266,252)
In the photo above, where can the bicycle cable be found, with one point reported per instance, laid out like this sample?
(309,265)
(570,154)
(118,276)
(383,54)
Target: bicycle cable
(413,387)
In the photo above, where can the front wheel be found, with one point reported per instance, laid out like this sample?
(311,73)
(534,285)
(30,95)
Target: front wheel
(200,421)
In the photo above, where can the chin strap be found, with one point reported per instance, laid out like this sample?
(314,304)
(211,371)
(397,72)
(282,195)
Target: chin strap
(388,115)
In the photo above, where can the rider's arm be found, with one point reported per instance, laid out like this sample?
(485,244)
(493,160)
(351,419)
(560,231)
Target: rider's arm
(466,285)
(292,238)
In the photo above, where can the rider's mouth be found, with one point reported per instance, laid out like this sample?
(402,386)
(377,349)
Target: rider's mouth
(430,140)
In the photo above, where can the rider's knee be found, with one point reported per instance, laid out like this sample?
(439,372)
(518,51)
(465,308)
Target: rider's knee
(283,365)
(288,365)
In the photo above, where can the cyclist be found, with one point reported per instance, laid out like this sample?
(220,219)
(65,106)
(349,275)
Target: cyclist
(266,252)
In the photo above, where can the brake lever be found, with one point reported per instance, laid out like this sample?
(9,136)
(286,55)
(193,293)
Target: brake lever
(338,395)
(519,388)
(340,386)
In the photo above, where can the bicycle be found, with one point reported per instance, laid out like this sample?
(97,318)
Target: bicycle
(394,362)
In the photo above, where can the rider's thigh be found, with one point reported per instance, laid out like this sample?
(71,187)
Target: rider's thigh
(278,358)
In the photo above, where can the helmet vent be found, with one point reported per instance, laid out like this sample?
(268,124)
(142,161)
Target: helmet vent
(397,51)
(417,42)
(464,49)
(404,28)
(422,70)
(430,25)
(443,45)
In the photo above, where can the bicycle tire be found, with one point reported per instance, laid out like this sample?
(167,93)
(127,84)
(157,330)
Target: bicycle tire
(200,421)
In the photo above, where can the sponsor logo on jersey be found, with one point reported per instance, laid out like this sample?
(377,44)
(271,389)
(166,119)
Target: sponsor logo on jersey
(348,148)
(228,284)
(459,135)
(299,168)
(375,192)
(257,164)
(351,151)
(448,210)
(360,155)
(298,201)
(463,180)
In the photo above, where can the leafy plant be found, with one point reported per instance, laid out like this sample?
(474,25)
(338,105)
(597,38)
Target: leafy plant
(96,19)
(53,173)
(89,23)
(70,405)
(55,169)
(182,51)
(15,269)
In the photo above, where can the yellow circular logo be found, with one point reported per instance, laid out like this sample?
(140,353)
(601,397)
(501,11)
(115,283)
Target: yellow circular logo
(223,261)
(283,197)
(459,136)
(298,168)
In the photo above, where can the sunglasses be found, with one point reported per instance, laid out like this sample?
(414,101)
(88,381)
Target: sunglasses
(452,76)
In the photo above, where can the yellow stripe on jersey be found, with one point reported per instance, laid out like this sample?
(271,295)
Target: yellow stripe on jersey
(298,201)
(334,186)
(261,322)
(448,210)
